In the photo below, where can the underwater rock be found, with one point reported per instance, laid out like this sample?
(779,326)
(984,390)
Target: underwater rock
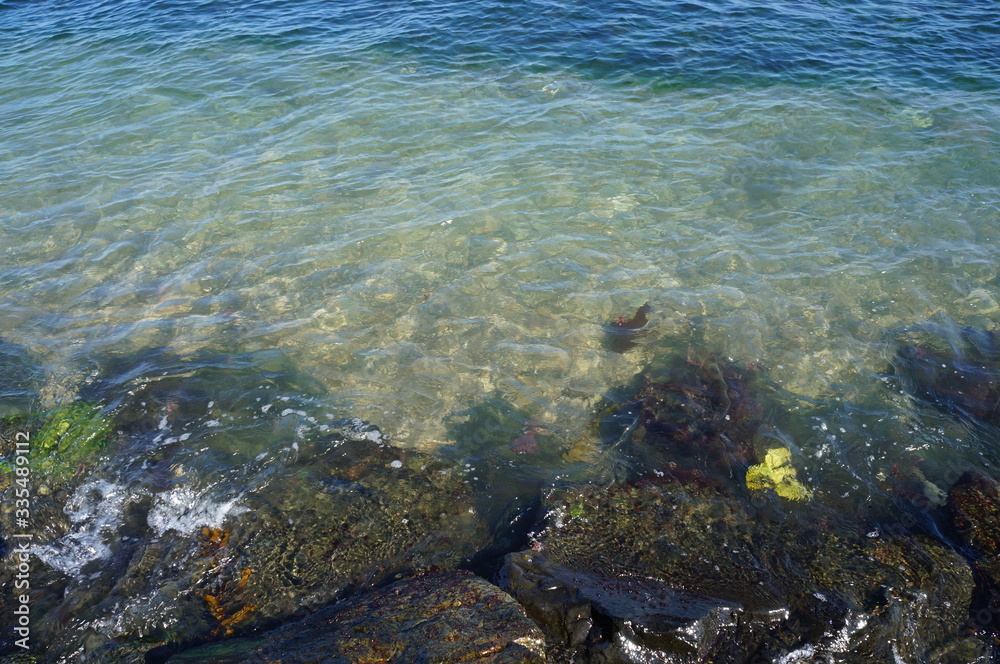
(156,395)
(696,420)
(963,382)
(70,435)
(527,443)
(984,345)
(974,506)
(622,333)
(668,573)
(60,444)
(433,617)
(508,455)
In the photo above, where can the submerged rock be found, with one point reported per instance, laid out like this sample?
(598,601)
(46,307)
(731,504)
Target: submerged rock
(983,344)
(696,420)
(60,445)
(434,617)
(70,435)
(974,505)
(156,395)
(963,380)
(666,573)
(20,379)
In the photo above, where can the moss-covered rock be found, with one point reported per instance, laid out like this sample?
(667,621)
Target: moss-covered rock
(433,617)
(58,443)
(347,516)
(665,573)
(70,435)
(974,506)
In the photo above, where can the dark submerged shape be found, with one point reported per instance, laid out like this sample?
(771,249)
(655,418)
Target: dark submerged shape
(963,381)
(622,333)
(20,378)
(696,420)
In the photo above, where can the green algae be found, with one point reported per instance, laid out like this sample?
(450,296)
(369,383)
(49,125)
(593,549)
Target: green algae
(69,436)
(59,441)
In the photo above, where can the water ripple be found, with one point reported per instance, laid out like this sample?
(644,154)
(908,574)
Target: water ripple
(426,202)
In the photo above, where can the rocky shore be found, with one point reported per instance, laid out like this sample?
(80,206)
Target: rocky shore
(688,530)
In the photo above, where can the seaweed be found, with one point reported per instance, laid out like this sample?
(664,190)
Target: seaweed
(699,418)
(777,474)
(69,436)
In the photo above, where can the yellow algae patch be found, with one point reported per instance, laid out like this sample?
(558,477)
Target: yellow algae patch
(778,474)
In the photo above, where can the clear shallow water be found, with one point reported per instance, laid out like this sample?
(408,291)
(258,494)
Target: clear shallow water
(435,204)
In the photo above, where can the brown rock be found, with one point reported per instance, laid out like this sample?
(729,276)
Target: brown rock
(435,617)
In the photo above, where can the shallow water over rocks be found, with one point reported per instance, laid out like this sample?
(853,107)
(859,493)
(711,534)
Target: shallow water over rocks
(649,544)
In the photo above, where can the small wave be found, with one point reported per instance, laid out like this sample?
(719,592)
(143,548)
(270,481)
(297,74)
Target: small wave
(96,511)
(184,511)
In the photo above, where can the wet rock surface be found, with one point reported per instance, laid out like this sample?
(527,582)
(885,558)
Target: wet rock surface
(362,514)
(974,506)
(435,617)
(664,573)
(696,540)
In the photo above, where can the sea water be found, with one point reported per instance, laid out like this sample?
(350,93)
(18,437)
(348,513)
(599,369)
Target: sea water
(428,205)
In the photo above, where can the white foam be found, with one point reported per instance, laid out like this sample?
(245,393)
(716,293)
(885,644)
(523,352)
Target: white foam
(186,511)
(800,656)
(96,510)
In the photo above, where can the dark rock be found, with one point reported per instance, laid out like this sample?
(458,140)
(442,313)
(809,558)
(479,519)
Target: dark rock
(696,420)
(434,617)
(974,505)
(623,613)
(983,344)
(668,573)
(293,544)
(20,379)
(154,394)
(964,382)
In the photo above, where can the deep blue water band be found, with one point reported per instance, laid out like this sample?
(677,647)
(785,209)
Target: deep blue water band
(675,44)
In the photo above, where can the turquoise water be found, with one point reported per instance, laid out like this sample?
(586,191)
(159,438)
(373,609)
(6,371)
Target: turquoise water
(430,205)
(420,221)
(426,204)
